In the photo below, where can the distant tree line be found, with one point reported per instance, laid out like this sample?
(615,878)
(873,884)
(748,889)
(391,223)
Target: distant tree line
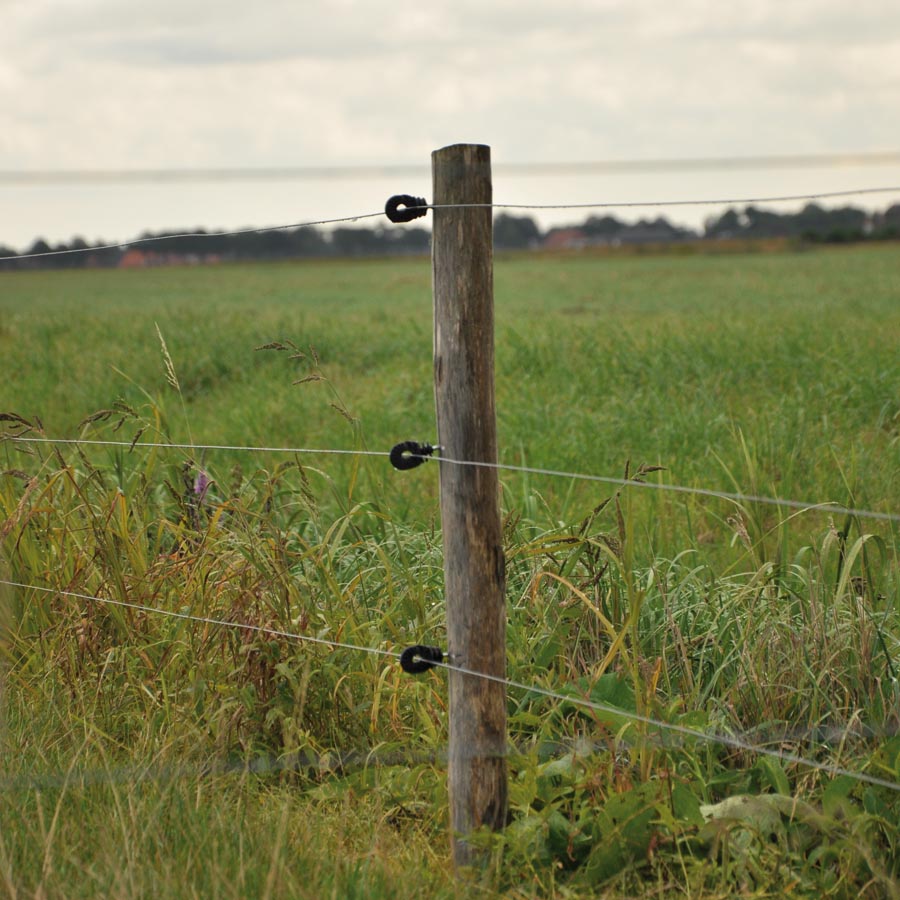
(210,246)
(813,223)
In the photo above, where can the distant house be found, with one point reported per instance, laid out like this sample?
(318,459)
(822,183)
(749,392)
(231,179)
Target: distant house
(133,259)
(611,233)
(566,239)
(141,259)
(658,231)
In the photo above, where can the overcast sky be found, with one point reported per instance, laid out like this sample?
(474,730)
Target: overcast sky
(115,84)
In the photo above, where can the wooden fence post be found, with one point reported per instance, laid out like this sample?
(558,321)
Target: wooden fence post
(474,565)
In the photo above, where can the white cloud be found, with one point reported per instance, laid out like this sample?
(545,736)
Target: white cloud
(108,83)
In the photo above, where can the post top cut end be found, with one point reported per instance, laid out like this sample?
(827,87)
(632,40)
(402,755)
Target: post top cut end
(459,149)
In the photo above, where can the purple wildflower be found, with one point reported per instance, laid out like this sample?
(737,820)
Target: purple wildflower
(201,485)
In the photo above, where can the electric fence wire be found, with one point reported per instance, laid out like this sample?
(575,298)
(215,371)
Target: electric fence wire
(236,448)
(740,201)
(735,496)
(205,620)
(731,741)
(827,505)
(191,234)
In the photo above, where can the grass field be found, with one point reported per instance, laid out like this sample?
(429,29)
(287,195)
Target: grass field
(770,374)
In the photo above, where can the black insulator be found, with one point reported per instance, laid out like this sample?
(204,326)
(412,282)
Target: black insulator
(410,454)
(405,208)
(420,658)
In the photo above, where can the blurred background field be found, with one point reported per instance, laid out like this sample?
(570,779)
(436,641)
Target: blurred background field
(774,373)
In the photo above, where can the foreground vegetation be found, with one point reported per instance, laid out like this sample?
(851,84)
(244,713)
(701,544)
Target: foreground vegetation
(212,760)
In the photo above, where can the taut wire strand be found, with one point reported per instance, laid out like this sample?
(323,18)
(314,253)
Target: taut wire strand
(193,234)
(682,730)
(205,620)
(824,506)
(711,738)
(820,195)
(739,201)
(20,439)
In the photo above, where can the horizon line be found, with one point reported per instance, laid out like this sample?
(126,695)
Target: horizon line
(530,169)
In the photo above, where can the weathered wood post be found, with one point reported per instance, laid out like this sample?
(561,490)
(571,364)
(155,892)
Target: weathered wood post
(474,565)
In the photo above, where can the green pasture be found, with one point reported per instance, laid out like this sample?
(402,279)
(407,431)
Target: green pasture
(774,374)
(207,761)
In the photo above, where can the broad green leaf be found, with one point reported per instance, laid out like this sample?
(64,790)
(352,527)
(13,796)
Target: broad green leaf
(686,804)
(623,830)
(759,812)
(774,775)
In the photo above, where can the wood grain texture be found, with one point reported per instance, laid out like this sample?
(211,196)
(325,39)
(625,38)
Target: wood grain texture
(474,565)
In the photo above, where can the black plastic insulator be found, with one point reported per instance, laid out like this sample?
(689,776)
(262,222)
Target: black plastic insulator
(405,208)
(420,658)
(410,454)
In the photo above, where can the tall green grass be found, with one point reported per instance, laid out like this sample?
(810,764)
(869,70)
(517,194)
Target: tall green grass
(230,761)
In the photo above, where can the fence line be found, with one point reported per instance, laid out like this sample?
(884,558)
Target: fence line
(735,743)
(823,195)
(824,506)
(203,620)
(820,195)
(827,505)
(731,741)
(133,445)
(192,234)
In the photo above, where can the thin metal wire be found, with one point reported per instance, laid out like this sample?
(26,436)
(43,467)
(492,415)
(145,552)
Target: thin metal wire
(821,195)
(173,446)
(825,506)
(205,620)
(691,733)
(742,201)
(193,234)
(726,740)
